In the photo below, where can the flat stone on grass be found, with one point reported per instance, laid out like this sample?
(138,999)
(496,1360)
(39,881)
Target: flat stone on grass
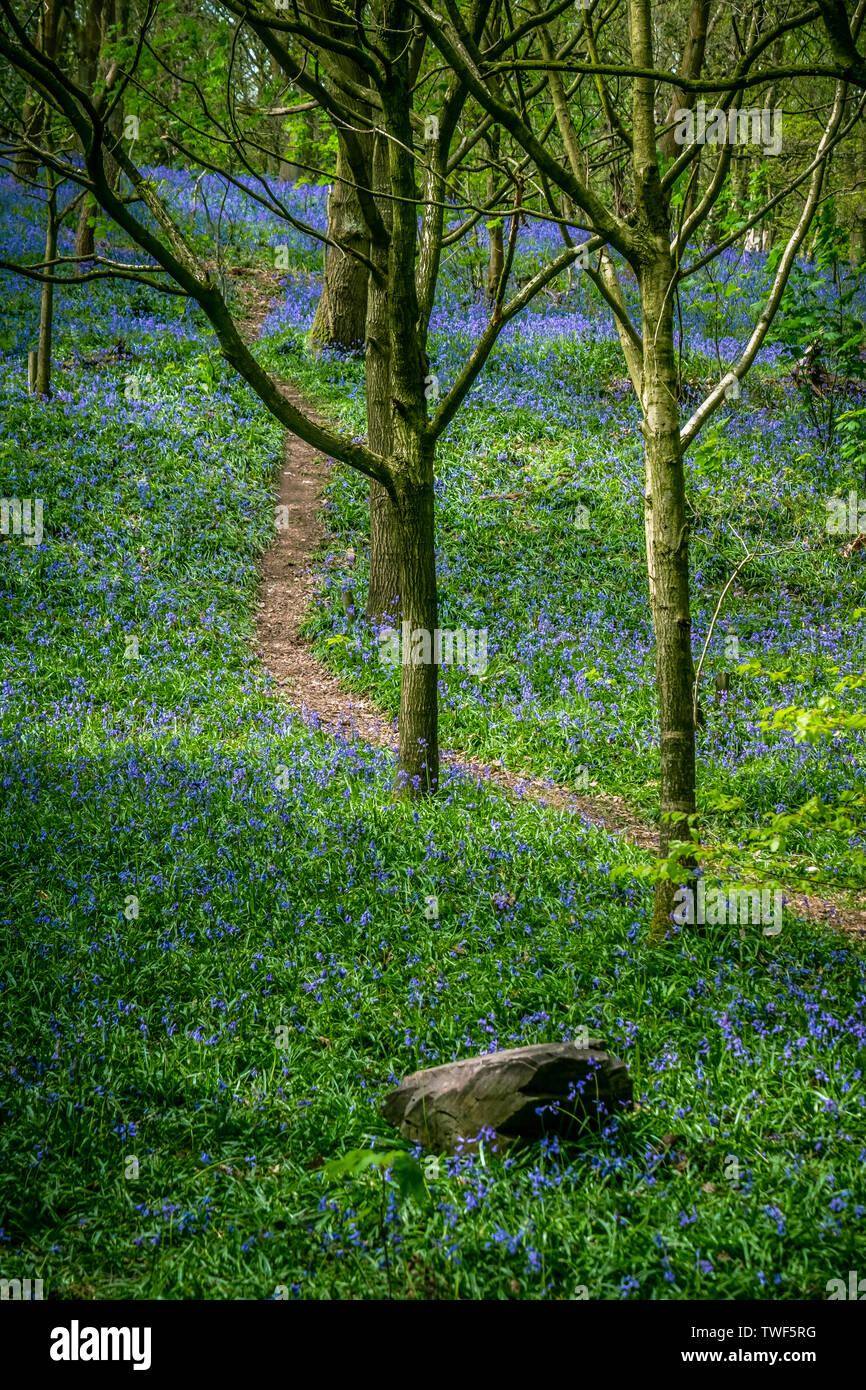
(521,1092)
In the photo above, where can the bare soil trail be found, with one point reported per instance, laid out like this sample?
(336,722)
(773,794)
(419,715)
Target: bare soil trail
(286,590)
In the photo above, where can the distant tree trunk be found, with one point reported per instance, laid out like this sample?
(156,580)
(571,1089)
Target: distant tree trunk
(342,310)
(84,232)
(497,248)
(768,223)
(690,67)
(739,183)
(89,44)
(858,227)
(46,307)
(52,24)
(100,15)
(24,166)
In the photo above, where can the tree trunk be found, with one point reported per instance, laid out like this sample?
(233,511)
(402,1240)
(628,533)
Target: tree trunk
(84,234)
(496,262)
(383,595)
(52,23)
(419,719)
(24,166)
(354,311)
(497,259)
(412,452)
(46,307)
(858,228)
(342,310)
(98,19)
(668,557)
(692,62)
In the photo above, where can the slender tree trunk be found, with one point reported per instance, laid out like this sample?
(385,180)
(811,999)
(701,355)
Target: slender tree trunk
(342,310)
(32,118)
(665,494)
(692,62)
(495,230)
(419,721)
(52,23)
(858,228)
(412,453)
(84,233)
(668,558)
(98,18)
(383,595)
(46,308)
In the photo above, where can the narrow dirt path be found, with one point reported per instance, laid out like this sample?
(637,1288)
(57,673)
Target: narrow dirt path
(287,580)
(287,587)
(286,590)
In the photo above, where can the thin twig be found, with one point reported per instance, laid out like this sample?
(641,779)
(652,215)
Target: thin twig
(750,556)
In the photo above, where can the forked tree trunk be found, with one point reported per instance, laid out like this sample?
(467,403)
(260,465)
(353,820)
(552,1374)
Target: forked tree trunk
(668,544)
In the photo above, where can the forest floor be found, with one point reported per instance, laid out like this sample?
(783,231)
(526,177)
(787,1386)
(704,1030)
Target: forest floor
(219,958)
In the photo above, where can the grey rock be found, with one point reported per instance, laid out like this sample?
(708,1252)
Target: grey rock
(445,1108)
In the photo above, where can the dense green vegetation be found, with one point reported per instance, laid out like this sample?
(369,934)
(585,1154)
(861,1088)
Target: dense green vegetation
(218,960)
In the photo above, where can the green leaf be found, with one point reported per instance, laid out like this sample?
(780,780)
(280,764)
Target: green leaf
(351,1164)
(406,1172)
(409,1177)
